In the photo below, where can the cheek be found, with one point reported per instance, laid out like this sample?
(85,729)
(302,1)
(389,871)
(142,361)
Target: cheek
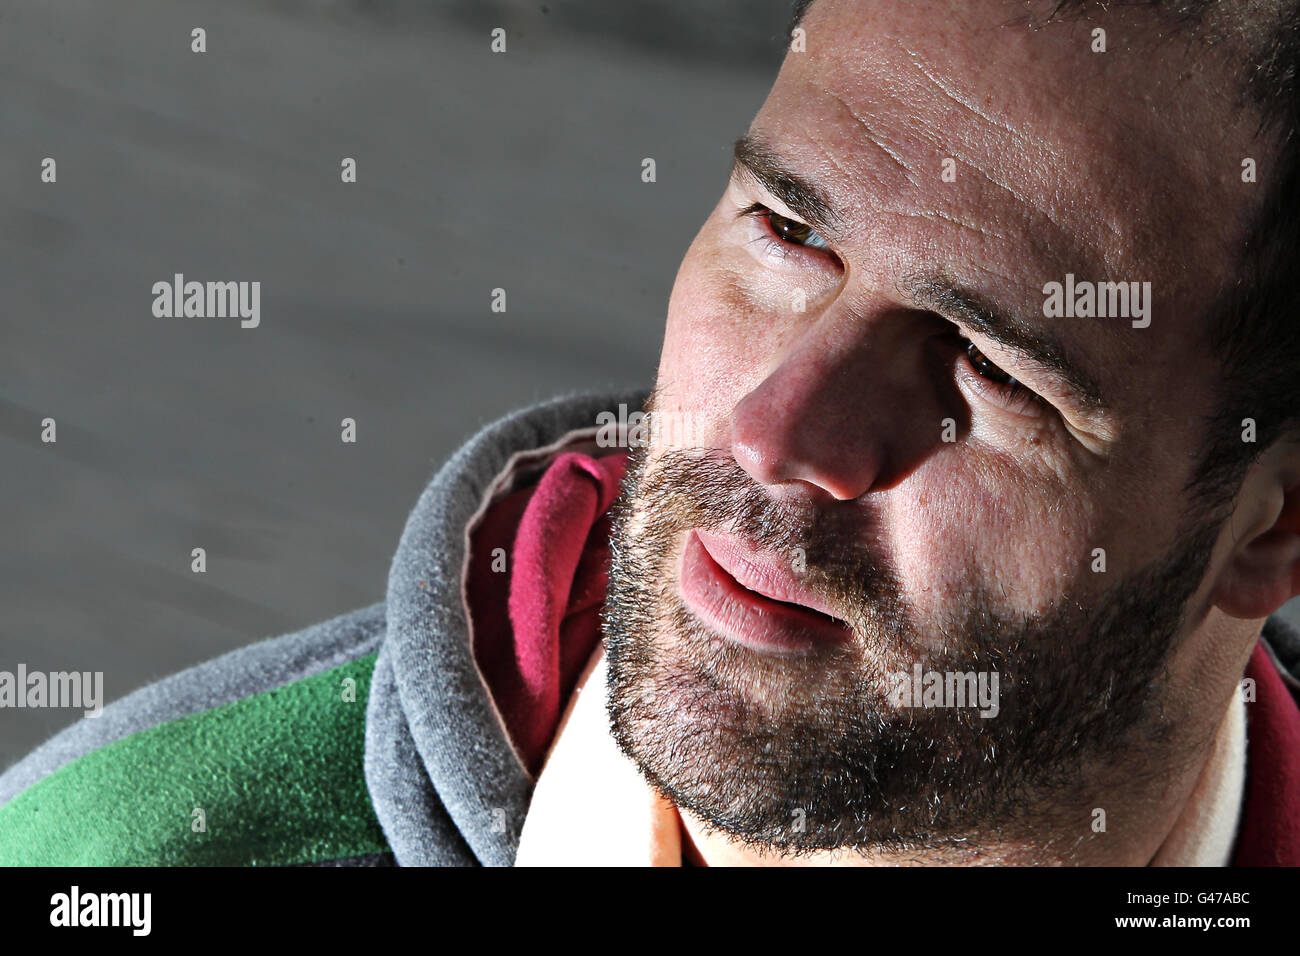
(716,342)
(968,522)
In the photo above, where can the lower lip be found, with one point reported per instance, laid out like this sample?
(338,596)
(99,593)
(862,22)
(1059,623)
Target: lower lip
(748,618)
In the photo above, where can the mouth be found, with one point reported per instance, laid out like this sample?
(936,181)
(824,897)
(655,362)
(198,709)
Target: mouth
(754,599)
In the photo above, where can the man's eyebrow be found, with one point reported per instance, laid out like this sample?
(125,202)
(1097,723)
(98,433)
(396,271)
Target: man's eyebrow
(950,300)
(755,158)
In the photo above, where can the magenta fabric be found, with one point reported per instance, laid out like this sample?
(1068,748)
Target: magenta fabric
(536,623)
(1270,829)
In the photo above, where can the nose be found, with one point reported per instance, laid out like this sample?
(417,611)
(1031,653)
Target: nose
(843,412)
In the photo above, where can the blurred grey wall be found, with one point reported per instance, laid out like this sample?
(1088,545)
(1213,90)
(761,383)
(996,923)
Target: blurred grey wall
(475,170)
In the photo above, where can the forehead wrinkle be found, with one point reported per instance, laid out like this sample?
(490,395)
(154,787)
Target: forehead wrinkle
(1072,252)
(1059,159)
(874,138)
(941,216)
(1058,155)
(1072,249)
(1021,197)
(901,163)
(965,103)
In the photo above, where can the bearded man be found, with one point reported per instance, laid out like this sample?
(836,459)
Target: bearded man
(912,560)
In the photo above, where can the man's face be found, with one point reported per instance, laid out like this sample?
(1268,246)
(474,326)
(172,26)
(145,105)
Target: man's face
(886,427)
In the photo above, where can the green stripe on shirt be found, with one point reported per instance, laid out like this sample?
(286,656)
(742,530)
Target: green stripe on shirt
(279,777)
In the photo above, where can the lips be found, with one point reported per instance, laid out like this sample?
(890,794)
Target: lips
(755,599)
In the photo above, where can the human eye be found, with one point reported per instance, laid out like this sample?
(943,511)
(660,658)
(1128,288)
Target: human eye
(783,238)
(995,385)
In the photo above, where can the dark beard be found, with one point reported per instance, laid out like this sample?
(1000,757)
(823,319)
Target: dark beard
(796,755)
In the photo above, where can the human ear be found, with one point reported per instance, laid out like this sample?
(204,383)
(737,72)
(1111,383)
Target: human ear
(1263,572)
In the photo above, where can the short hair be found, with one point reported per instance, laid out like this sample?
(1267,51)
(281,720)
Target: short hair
(1253,324)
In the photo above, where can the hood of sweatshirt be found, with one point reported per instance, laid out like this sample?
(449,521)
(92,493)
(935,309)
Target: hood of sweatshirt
(449,783)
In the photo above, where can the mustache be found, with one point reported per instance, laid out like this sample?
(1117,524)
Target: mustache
(833,547)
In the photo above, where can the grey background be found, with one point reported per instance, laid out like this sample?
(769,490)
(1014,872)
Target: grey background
(476,171)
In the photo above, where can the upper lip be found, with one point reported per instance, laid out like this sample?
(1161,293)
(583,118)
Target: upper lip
(762,571)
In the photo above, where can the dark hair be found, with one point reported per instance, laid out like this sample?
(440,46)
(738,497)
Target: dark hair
(1254,322)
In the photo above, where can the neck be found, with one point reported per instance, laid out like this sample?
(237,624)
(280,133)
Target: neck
(1206,829)
(1190,820)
